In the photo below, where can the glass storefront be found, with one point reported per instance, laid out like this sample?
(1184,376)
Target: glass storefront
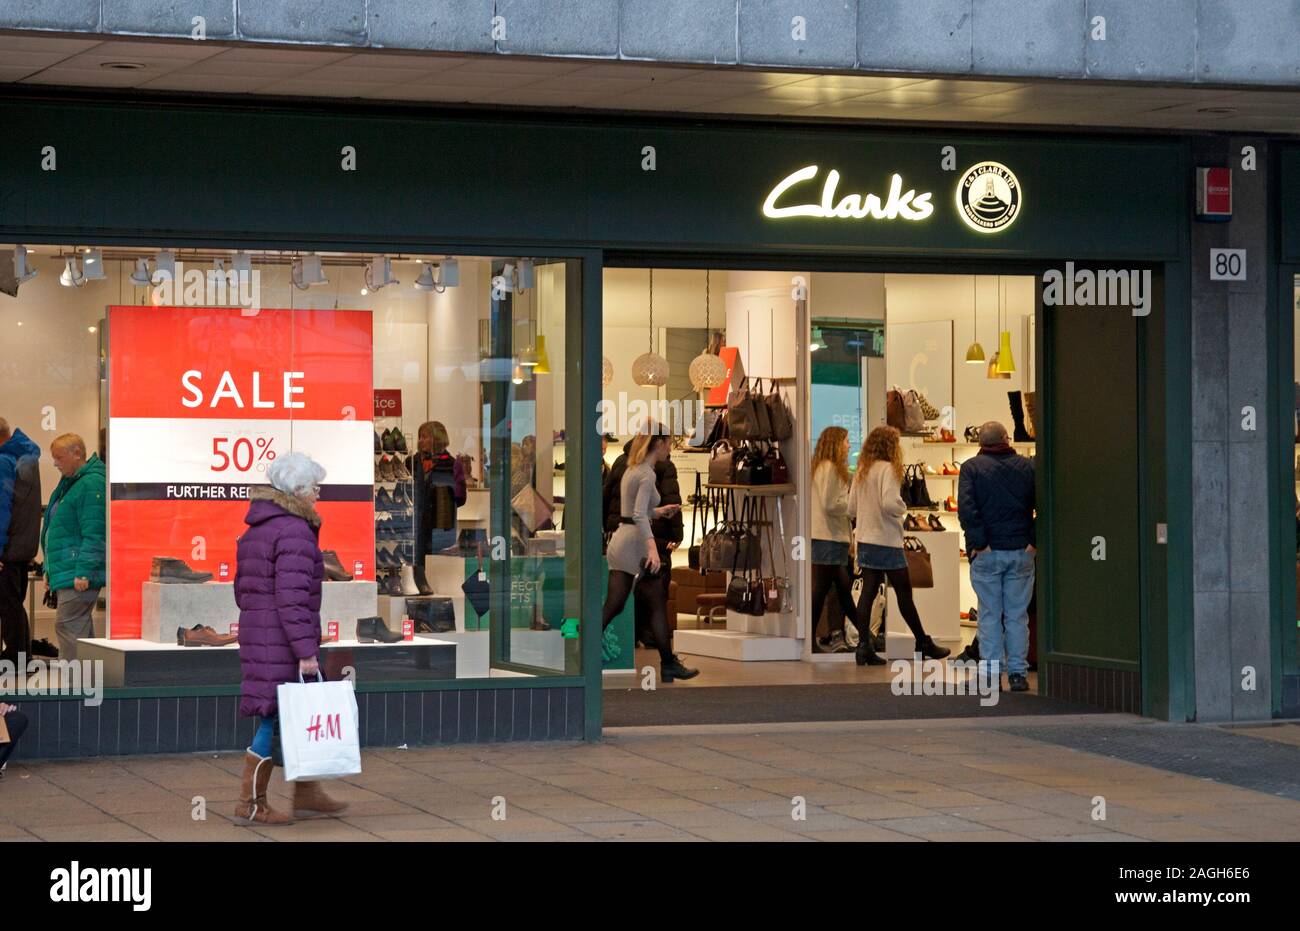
(168,397)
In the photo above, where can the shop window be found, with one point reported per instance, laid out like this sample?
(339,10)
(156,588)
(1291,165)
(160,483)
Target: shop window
(171,388)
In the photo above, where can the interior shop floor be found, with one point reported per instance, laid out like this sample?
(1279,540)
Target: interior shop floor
(1018,779)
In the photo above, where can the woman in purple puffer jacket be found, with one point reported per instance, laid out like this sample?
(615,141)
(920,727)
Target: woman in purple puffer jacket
(277,589)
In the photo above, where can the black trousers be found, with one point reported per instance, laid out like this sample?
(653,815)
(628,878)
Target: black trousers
(824,578)
(642,622)
(15,628)
(16,722)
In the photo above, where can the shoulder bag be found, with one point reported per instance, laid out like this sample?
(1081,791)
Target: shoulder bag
(778,414)
(913,414)
(722,465)
(779,471)
(742,421)
(894,413)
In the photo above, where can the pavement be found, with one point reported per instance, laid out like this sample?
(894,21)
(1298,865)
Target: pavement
(945,780)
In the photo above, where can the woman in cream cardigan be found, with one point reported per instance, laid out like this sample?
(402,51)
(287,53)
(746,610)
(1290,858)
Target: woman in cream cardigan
(832,535)
(876,499)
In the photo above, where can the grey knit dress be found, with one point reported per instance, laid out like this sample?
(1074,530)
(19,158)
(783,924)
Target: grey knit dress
(638,497)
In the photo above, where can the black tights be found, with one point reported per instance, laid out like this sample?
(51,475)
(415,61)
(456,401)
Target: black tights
(823,578)
(902,586)
(651,598)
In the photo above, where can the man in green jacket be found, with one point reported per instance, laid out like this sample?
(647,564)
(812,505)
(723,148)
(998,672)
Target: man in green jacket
(73,539)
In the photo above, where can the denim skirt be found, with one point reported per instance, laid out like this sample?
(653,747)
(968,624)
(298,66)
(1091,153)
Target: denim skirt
(871,556)
(830,553)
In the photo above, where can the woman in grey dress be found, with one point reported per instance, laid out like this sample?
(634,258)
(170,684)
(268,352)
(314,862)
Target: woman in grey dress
(634,557)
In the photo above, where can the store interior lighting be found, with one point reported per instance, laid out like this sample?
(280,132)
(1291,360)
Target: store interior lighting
(817,341)
(164,266)
(975,352)
(379,274)
(92,265)
(140,277)
(307,271)
(72,276)
(425,281)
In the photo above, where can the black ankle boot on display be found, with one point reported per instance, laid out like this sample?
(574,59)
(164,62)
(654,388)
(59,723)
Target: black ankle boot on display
(370,629)
(676,669)
(931,650)
(1020,434)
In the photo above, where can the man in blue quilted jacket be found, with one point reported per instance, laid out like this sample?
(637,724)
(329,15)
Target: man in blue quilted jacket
(995,504)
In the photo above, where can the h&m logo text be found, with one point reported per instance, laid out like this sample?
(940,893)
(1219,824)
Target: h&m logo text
(330,729)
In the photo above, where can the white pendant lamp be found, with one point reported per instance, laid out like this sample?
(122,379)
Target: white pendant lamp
(650,370)
(707,370)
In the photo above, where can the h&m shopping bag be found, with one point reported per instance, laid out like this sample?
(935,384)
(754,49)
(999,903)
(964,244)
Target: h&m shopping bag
(318,730)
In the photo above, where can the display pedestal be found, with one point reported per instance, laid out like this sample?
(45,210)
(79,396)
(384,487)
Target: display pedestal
(134,663)
(165,607)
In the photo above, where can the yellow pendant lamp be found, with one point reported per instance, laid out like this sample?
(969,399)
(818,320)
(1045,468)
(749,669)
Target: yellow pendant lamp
(1006,363)
(543,366)
(975,352)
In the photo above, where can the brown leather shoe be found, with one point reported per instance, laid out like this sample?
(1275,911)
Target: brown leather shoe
(310,801)
(202,636)
(253,807)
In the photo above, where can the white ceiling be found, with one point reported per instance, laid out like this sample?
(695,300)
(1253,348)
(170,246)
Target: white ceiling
(497,80)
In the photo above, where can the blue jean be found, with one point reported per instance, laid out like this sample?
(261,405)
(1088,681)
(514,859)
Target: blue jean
(1004,582)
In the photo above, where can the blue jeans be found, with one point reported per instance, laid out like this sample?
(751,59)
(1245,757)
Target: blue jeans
(1004,582)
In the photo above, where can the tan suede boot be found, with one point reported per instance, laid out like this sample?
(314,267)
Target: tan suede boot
(253,807)
(310,800)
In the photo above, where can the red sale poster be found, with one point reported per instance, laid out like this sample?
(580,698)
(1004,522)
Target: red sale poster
(200,402)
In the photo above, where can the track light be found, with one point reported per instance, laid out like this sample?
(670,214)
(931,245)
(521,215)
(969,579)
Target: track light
(14,270)
(140,277)
(425,282)
(525,278)
(379,273)
(307,271)
(164,267)
(92,265)
(242,263)
(72,276)
(449,273)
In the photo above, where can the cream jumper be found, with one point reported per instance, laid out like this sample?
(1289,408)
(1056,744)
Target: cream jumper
(830,505)
(877,502)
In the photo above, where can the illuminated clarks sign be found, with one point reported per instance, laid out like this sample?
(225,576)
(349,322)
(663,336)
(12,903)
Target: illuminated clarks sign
(898,204)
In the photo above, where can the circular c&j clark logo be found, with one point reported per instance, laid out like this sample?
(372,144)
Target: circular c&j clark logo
(989,197)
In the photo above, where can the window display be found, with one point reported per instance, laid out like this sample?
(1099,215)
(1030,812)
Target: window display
(428,520)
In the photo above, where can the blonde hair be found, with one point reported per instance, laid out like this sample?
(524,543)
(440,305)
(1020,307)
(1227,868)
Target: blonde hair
(436,432)
(881,445)
(830,448)
(641,446)
(72,443)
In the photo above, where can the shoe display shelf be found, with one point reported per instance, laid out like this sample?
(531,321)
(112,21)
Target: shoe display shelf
(165,607)
(394,510)
(935,455)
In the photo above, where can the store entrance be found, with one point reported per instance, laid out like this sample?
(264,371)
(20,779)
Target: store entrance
(832,346)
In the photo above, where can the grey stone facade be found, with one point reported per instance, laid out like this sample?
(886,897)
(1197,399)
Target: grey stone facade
(1230,503)
(1219,42)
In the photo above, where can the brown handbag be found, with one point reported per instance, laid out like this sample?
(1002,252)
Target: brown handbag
(919,571)
(895,414)
(780,471)
(722,464)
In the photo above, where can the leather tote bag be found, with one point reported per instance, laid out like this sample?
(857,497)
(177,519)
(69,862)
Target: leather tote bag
(762,414)
(913,413)
(919,570)
(753,469)
(742,420)
(432,614)
(778,415)
(722,465)
(779,470)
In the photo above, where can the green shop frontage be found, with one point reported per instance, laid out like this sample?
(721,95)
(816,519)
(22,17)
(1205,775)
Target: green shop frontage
(479,250)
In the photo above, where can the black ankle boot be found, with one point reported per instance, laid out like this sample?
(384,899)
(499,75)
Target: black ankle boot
(674,668)
(930,650)
(866,655)
(370,629)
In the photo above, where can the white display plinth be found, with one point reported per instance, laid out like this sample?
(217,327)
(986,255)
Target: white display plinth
(165,607)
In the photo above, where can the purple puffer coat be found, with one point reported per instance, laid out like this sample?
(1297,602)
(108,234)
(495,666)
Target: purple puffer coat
(277,588)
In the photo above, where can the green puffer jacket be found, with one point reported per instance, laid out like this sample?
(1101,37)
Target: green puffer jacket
(74,536)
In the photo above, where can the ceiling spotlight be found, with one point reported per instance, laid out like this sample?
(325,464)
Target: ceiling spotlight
(307,271)
(90,329)
(525,278)
(164,267)
(449,273)
(92,265)
(426,281)
(14,270)
(72,276)
(122,65)
(243,265)
(140,277)
(379,273)
(519,375)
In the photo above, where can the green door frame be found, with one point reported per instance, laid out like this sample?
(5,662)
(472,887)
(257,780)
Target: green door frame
(1281,485)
